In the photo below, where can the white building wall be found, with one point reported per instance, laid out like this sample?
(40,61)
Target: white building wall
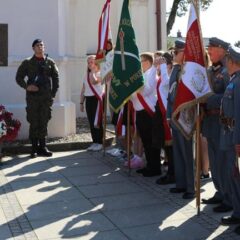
(86,16)
(69,30)
(163,25)
(28,20)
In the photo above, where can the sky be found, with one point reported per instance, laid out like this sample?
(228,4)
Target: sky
(221,19)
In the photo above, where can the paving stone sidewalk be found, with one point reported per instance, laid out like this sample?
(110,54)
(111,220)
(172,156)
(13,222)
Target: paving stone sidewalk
(82,195)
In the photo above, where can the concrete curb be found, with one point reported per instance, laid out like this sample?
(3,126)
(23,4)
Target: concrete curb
(55,147)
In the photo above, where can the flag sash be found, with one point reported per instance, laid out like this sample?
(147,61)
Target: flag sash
(145,105)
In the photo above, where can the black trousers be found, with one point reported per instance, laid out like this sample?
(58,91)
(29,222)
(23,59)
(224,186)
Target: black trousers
(144,124)
(169,153)
(158,132)
(91,108)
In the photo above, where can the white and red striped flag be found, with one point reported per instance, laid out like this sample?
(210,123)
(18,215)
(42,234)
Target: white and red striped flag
(104,31)
(194,86)
(162,95)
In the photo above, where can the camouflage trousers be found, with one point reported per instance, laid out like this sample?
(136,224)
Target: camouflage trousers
(38,114)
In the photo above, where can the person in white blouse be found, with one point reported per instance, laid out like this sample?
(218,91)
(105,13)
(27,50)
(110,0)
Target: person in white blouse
(92,94)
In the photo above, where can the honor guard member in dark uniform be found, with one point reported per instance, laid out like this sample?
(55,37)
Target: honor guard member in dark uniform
(41,86)
(219,78)
(182,148)
(230,133)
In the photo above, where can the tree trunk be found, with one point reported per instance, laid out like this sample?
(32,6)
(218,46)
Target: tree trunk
(1,151)
(172,16)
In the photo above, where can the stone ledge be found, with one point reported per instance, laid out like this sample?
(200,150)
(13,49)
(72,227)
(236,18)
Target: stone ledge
(55,147)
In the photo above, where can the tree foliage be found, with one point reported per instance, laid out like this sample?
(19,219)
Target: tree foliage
(180,7)
(237,44)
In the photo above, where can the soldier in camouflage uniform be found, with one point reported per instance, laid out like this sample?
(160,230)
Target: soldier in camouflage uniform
(219,78)
(230,134)
(41,86)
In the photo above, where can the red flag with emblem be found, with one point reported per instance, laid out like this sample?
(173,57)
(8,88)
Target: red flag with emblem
(194,86)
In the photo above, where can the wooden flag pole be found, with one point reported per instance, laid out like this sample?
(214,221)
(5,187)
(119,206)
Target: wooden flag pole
(105,118)
(198,159)
(198,143)
(128,139)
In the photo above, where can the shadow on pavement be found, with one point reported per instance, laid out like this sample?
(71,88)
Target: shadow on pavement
(83,194)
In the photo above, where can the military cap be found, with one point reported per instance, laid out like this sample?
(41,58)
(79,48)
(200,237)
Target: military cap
(36,41)
(216,42)
(179,44)
(234,53)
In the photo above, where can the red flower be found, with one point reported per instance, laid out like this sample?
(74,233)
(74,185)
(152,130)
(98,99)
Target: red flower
(12,125)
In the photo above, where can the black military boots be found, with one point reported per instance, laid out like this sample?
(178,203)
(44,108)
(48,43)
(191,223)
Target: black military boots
(42,149)
(39,148)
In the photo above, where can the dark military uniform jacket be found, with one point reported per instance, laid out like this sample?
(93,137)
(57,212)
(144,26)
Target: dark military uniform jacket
(43,74)
(219,78)
(230,114)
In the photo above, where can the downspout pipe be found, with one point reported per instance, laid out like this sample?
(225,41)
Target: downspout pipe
(158,24)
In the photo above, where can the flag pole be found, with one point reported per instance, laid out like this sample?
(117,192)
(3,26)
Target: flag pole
(198,158)
(128,139)
(198,145)
(105,118)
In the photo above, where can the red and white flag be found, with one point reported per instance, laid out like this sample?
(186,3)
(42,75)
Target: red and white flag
(194,86)
(121,128)
(104,31)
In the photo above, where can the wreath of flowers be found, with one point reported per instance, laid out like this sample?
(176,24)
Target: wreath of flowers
(9,127)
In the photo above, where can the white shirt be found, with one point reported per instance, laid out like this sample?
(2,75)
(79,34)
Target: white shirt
(148,91)
(98,87)
(164,86)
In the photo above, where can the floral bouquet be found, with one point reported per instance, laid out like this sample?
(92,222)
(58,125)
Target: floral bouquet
(9,127)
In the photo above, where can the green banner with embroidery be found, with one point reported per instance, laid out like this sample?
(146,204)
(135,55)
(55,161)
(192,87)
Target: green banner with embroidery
(127,75)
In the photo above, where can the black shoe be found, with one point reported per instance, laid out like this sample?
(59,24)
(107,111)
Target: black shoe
(167,179)
(142,170)
(177,190)
(43,152)
(237,230)
(205,176)
(188,195)
(33,155)
(230,220)
(151,173)
(222,208)
(212,200)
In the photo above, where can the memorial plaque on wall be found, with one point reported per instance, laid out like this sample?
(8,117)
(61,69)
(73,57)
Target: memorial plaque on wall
(3,44)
